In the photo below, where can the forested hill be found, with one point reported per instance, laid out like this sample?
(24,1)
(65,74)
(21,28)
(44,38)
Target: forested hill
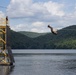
(32,34)
(66,39)
(19,41)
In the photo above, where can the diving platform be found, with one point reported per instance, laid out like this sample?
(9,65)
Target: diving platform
(6,56)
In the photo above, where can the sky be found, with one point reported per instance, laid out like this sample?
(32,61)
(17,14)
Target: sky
(35,15)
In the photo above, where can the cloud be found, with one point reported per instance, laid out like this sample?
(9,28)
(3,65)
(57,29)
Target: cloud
(19,8)
(34,27)
(37,30)
(1,14)
(27,8)
(54,8)
(38,24)
(68,19)
(38,15)
(19,27)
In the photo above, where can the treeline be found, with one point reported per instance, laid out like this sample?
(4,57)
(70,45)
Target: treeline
(32,34)
(66,39)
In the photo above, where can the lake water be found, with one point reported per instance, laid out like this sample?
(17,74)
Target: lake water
(42,62)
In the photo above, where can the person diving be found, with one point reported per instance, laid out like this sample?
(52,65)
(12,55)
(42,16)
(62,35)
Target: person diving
(52,30)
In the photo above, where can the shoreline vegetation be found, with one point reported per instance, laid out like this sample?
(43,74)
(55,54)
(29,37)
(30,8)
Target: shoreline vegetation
(66,39)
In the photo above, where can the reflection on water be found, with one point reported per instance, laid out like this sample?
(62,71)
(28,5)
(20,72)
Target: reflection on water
(68,64)
(6,70)
(45,65)
(42,64)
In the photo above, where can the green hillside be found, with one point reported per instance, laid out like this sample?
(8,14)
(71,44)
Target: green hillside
(66,39)
(32,34)
(19,41)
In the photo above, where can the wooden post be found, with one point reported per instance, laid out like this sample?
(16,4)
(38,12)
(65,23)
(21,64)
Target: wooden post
(5,47)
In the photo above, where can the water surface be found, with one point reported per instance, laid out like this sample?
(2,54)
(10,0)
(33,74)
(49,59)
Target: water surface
(42,64)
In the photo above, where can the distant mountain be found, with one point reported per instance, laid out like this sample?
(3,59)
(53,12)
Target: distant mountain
(19,41)
(32,34)
(66,39)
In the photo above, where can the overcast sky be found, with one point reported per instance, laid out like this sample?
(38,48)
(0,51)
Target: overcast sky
(35,15)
